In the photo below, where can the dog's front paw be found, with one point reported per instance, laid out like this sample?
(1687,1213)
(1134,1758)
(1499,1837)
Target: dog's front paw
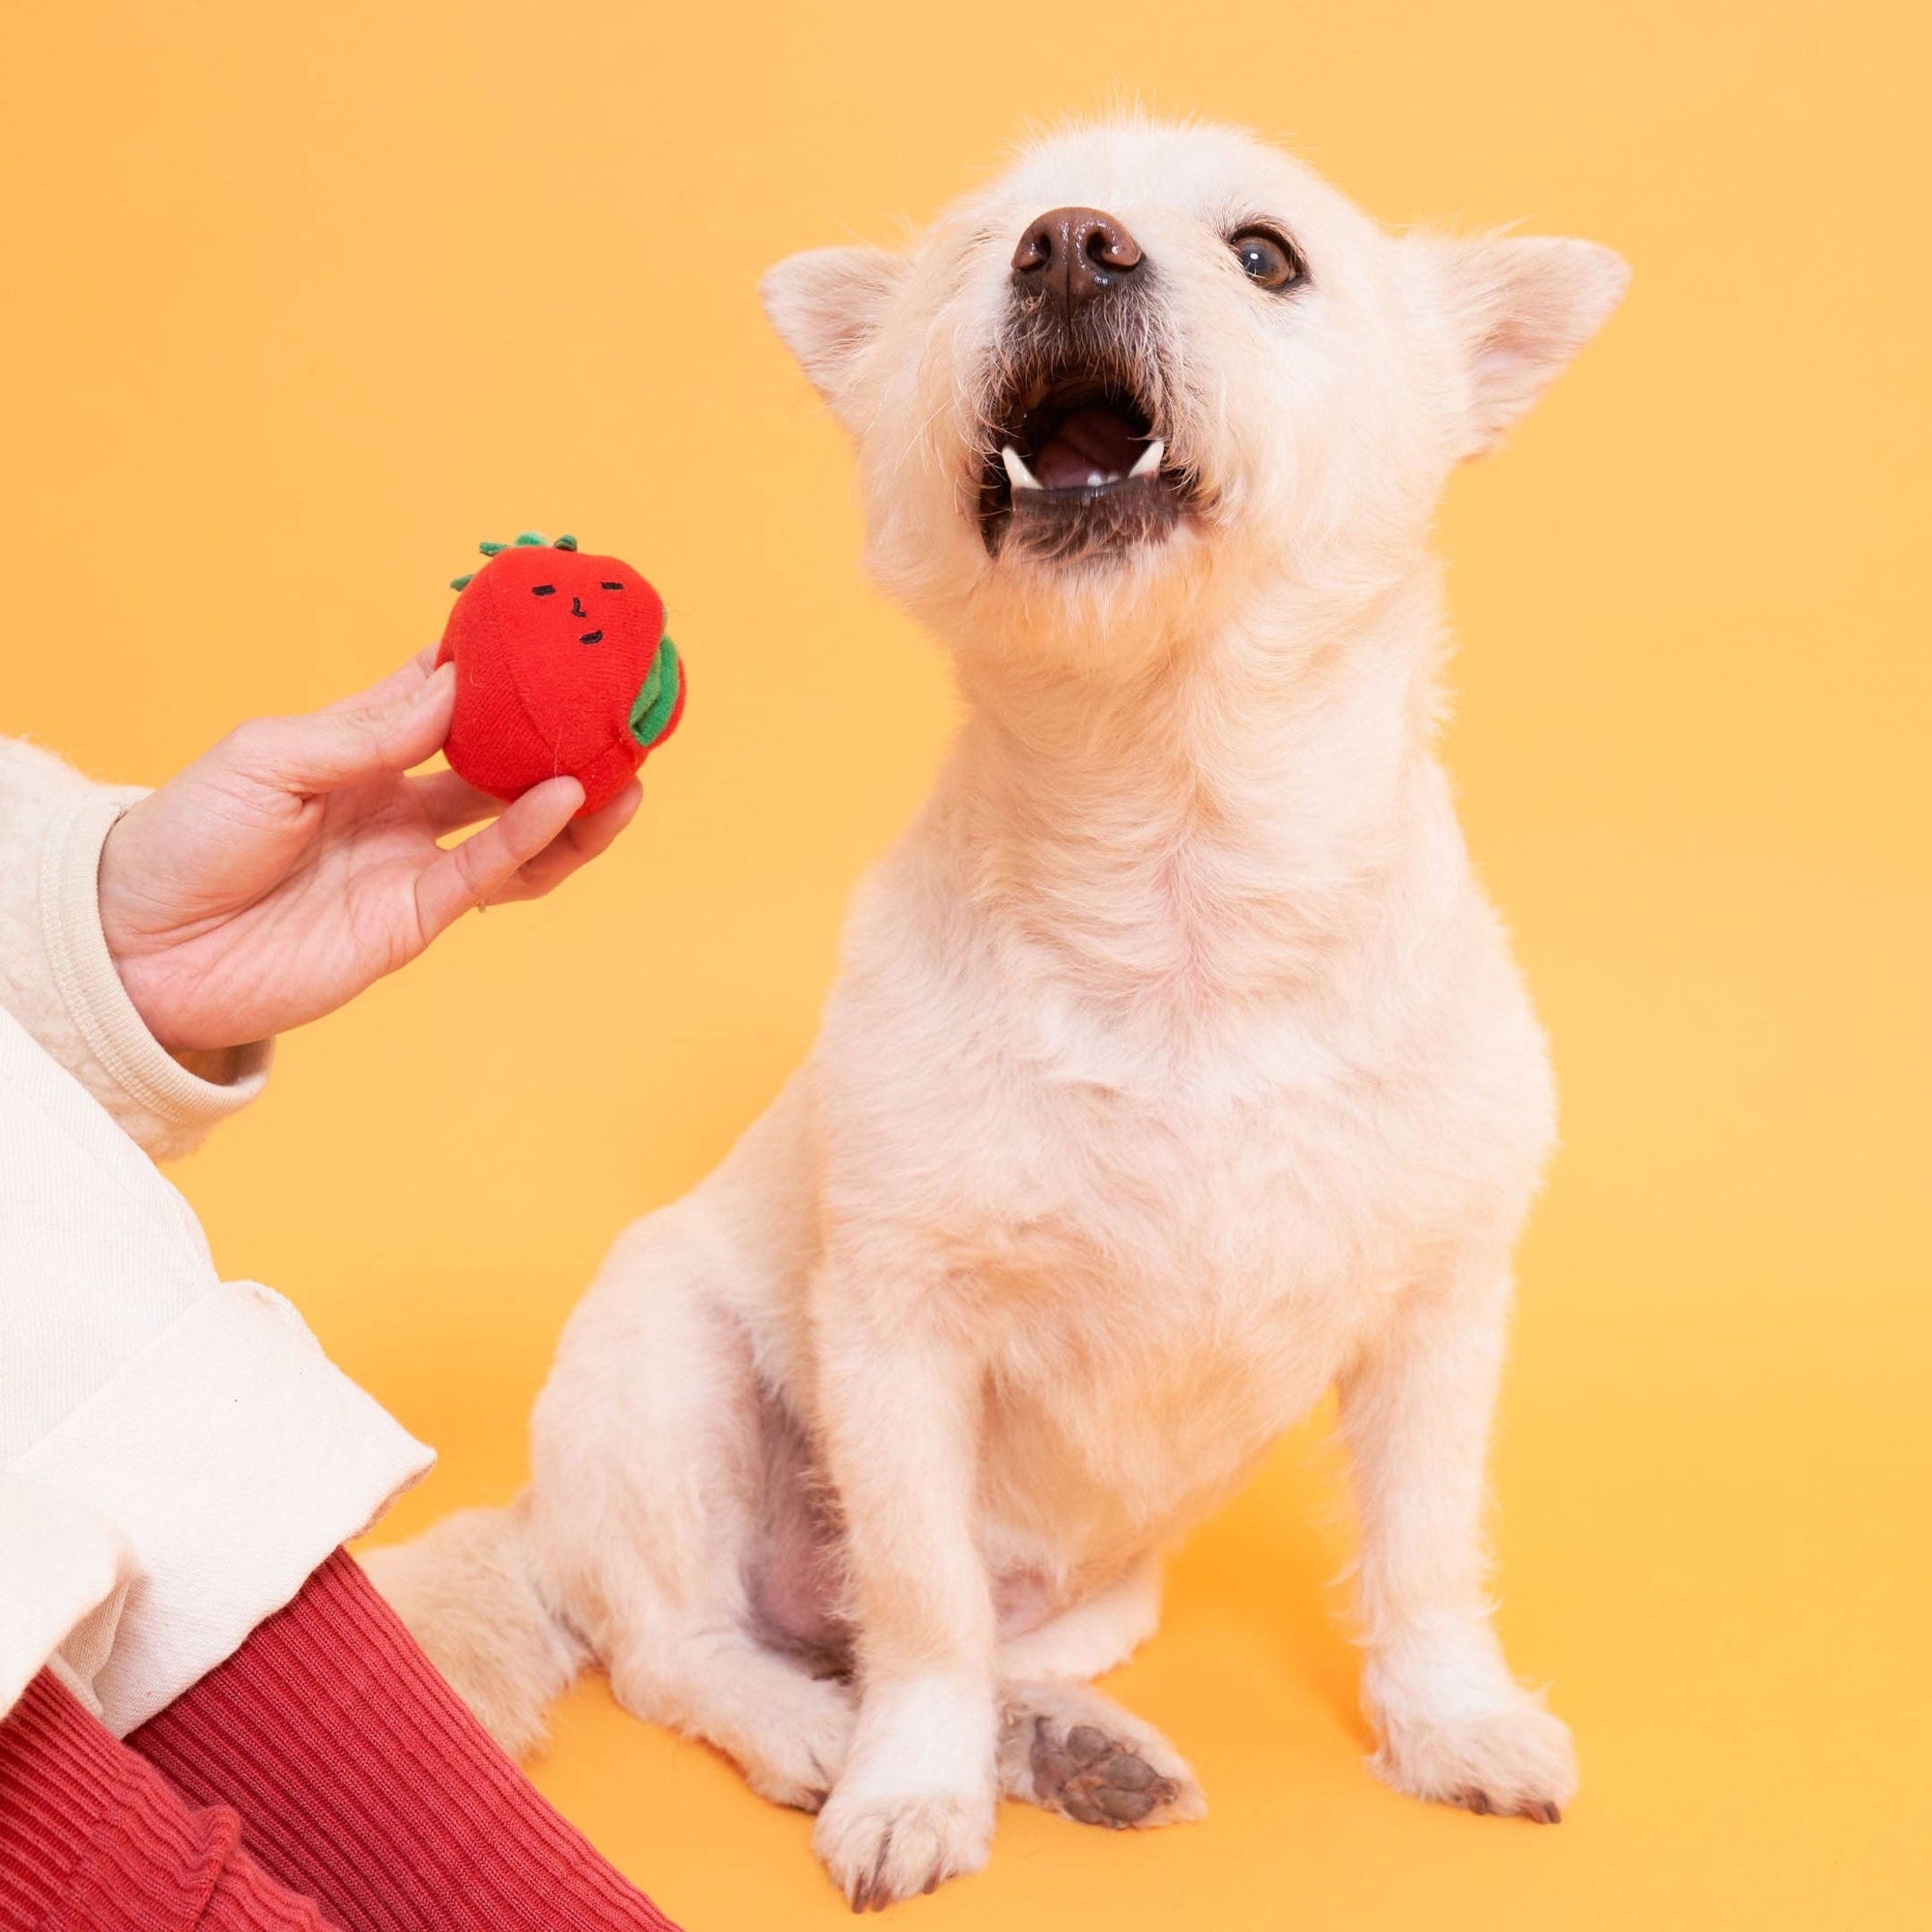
(880,1849)
(1515,1759)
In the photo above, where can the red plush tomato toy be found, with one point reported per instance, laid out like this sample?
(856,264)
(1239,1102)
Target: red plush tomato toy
(562,667)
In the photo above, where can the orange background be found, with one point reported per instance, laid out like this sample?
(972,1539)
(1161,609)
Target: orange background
(301,303)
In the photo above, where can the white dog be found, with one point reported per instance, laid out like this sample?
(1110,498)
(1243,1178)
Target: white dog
(1178,1070)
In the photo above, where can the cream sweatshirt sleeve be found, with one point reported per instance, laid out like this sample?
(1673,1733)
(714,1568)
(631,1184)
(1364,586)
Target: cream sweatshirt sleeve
(176,1451)
(56,977)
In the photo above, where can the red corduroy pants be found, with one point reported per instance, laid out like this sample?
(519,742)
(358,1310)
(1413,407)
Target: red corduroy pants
(324,1777)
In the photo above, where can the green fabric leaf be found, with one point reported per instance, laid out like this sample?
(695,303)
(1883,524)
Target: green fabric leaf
(657,697)
(462,582)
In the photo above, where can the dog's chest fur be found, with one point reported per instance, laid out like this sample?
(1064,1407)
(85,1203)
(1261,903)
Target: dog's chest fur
(1170,1211)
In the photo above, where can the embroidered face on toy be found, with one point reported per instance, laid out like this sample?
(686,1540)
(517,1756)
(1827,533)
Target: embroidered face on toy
(573,602)
(562,667)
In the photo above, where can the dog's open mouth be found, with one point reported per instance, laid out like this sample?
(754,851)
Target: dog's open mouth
(1077,468)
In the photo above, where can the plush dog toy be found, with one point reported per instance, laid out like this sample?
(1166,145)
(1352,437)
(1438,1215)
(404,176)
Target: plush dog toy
(562,667)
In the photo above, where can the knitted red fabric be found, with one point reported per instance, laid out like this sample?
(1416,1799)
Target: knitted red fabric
(362,1779)
(93,1839)
(550,648)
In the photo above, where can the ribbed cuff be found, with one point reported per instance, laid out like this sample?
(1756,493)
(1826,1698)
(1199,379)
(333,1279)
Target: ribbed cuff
(98,1842)
(364,1781)
(98,1002)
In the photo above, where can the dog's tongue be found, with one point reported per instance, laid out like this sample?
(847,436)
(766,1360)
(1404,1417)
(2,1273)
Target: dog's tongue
(1094,444)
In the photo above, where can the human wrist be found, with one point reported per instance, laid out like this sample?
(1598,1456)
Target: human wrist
(123,939)
(185,1093)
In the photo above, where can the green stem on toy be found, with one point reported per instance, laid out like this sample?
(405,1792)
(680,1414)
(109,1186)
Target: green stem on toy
(657,697)
(528,540)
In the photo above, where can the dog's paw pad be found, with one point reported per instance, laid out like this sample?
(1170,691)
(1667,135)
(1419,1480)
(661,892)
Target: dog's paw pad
(1097,1779)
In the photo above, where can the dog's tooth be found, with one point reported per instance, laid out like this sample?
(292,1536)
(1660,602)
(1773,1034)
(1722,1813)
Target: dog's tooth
(1095,479)
(1017,473)
(1149,461)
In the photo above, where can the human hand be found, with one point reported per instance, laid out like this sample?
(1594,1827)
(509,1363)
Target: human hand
(295,863)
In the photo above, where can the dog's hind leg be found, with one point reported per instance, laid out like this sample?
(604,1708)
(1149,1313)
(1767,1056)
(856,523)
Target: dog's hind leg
(648,1465)
(1069,1749)
(1094,1636)
(785,1729)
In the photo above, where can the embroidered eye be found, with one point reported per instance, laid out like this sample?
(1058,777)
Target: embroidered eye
(542,590)
(1268,260)
(610,586)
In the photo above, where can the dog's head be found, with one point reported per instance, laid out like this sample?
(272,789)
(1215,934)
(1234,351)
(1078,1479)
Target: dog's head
(1157,366)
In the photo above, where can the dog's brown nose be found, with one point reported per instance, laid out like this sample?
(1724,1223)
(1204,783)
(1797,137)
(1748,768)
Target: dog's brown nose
(1072,255)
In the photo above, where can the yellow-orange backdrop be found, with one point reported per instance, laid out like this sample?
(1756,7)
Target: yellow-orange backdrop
(301,303)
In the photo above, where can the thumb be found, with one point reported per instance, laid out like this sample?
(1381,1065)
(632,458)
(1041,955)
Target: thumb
(324,750)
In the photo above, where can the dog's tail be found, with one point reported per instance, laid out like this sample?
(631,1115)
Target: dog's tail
(468,1591)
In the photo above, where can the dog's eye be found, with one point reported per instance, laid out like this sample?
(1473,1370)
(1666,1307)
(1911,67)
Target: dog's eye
(542,590)
(1266,259)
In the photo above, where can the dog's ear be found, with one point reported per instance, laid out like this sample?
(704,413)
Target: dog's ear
(1522,307)
(827,305)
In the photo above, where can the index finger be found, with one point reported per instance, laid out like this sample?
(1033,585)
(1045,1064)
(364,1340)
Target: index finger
(396,684)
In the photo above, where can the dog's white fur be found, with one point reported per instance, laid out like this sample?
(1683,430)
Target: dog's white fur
(1178,1070)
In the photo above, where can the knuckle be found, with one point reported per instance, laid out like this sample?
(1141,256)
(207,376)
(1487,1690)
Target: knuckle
(255,740)
(473,867)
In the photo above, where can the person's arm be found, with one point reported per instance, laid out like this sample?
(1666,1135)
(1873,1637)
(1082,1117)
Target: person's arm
(153,943)
(58,981)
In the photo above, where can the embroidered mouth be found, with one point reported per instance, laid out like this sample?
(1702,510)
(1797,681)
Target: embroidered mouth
(1076,468)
